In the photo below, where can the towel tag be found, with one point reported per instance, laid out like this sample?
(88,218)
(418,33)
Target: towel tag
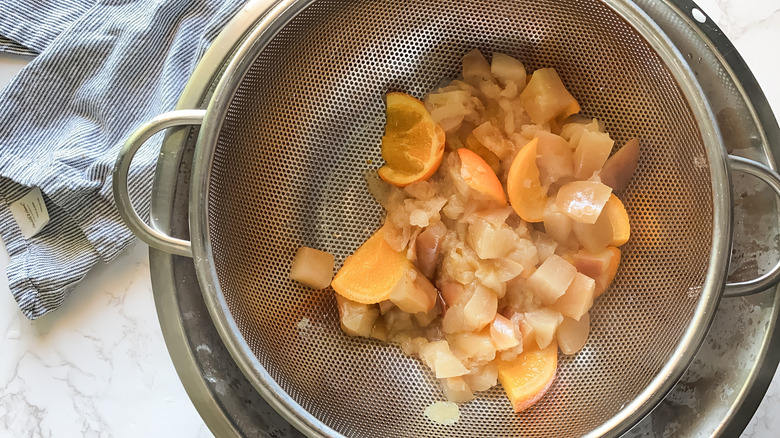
(30,213)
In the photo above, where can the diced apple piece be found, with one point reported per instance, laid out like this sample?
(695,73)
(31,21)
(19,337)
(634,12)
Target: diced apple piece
(551,279)
(582,201)
(545,97)
(600,265)
(508,69)
(572,132)
(527,378)
(481,308)
(424,319)
(478,148)
(379,331)
(573,334)
(526,331)
(476,68)
(452,293)
(504,333)
(492,138)
(356,319)
(439,358)
(591,154)
(414,293)
(453,321)
(475,346)
(411,345)
(545,245)
(482,378)
(553,157)
(612,227)
(489,241)
(512,353)
(578,298)
(592,263)
(620,167)
(456,390)
(428,246)
(507,269)
(312,267)
(545,322)
(556,224)
(385,306)
(398,321)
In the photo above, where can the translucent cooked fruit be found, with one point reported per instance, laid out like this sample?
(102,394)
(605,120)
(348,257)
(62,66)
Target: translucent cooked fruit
(611,228)
(600,265)
(526,194)
(573,334)
(480,177)
(582,200)
(620,167)
(369,275)
(545,97)
(413,144)
(554,158)
(544,322)
(312,267)
(527,378)
(551,279)
(591,154)
(356,319)
(578,298)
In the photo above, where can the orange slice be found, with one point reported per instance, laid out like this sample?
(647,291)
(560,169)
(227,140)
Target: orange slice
(370,274)
(526,194)
(413,144)
(527,378)
(605,279)
(479,176)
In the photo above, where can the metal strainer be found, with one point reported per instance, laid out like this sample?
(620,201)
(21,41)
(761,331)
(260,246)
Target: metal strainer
(294,125)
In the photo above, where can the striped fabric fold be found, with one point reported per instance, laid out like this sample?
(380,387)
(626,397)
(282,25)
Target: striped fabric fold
(11,46)
(105,67)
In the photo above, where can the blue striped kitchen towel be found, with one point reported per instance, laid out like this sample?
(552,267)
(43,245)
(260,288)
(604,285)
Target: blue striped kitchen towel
(103,68)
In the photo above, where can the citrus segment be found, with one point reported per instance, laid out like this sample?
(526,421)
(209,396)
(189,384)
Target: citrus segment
(370,274)
(413,144)
(527,378)
(479,176)
(526,194)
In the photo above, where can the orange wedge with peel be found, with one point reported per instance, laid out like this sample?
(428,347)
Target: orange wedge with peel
(526,193)
(413,144)
(479,176)
(527,378)
(371,273)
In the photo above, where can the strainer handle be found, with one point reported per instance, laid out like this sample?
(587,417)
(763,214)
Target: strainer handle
(153,237)
(772,179)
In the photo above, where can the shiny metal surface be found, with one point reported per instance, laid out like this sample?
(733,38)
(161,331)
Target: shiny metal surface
(282,152)
(125,207)
(160,255)
(771,179)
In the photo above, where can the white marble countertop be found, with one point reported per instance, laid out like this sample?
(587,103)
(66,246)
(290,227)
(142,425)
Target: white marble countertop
(99,365)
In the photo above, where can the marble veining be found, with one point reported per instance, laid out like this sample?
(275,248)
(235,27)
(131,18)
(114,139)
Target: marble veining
(99,366)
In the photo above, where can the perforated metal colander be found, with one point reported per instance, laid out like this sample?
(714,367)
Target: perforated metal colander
(295,124)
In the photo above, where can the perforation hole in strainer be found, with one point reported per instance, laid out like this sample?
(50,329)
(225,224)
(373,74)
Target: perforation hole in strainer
(304,126)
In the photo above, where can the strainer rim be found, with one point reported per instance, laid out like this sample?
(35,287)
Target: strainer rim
(255,372)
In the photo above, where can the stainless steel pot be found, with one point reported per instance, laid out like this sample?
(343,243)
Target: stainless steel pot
(695,327)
